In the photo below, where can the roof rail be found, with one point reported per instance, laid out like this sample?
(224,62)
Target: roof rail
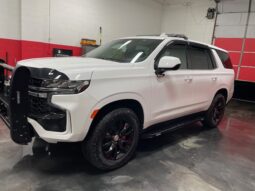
(175,35)
(149,35)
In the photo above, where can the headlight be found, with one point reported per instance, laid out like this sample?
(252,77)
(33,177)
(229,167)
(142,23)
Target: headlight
(65,86)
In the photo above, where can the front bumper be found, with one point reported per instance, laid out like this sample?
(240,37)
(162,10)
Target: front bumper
(28,113)
(78,109)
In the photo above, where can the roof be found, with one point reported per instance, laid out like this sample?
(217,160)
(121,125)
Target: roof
(165,36)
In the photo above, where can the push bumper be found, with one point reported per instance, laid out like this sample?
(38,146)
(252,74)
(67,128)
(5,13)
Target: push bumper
(54,118)
(14,102)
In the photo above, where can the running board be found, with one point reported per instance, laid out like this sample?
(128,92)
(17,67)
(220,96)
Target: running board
(170,126)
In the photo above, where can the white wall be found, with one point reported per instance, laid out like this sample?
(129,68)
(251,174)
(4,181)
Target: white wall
(118,18)
(10,19)
(188,17)
(35,20)
(66,22)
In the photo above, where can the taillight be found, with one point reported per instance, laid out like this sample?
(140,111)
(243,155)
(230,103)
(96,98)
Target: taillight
(228,64)
(225,59)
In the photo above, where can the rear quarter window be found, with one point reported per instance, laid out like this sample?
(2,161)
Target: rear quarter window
(225,59)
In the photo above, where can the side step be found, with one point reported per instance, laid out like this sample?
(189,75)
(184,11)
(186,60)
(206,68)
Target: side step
(170,126)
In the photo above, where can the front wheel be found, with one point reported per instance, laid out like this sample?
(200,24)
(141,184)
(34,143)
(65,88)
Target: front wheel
(114,140)
(216,111)
(40,147)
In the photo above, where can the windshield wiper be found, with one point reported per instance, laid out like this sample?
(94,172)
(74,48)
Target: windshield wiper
(112,59)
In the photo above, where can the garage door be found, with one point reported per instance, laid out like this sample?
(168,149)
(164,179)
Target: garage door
(235,32)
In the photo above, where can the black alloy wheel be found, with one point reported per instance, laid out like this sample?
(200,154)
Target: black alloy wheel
(218,111)
(118,140)
(113,140)
(215,113)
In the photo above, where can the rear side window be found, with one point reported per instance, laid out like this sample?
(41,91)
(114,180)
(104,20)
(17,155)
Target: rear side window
(225,59)
(199,58)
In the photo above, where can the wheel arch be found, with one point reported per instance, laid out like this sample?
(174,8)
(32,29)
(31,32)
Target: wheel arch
(132,104)
(224,92)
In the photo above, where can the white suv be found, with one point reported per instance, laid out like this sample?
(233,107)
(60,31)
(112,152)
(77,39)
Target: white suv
(116,94)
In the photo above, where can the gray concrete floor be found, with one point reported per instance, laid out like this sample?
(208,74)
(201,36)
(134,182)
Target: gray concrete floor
(190,159)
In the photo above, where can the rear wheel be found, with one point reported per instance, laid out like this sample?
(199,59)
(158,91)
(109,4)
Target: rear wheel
(114,140)
(216,111)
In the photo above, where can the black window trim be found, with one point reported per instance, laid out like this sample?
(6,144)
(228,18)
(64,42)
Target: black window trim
(169,44)
(187,44)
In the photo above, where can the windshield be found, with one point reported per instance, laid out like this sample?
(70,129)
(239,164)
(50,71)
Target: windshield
(125,50)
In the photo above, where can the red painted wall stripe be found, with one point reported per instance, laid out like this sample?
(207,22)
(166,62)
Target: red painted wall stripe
(11,49)
(32,49)
(21,49)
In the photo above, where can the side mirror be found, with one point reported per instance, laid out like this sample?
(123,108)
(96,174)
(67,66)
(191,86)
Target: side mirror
(169,63)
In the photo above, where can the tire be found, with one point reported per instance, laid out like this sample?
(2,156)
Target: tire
(39,147)
(216,111)
(114,140)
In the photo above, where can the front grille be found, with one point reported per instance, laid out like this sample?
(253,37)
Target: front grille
(39,106)
(40,109)
(35,82)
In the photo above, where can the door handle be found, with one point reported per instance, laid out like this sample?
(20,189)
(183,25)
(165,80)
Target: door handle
(188,80)
(214,79)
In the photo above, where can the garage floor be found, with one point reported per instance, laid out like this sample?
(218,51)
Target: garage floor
(192,158)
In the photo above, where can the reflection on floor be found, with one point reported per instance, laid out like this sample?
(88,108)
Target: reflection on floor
(193,158)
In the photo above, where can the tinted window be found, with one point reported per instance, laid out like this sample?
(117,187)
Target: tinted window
(225,59)
(179,51)
(199,58)
(125,50)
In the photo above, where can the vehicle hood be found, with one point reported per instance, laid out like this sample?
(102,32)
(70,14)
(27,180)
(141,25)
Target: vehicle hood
(76,68)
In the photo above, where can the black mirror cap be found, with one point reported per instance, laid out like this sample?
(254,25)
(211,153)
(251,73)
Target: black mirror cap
(177,67)
(161,71)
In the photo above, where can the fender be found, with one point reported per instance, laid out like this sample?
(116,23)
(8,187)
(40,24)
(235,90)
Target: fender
(230,90)
(124,96)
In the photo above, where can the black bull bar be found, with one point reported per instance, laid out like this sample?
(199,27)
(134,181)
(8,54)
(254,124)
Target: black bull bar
(14,102)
